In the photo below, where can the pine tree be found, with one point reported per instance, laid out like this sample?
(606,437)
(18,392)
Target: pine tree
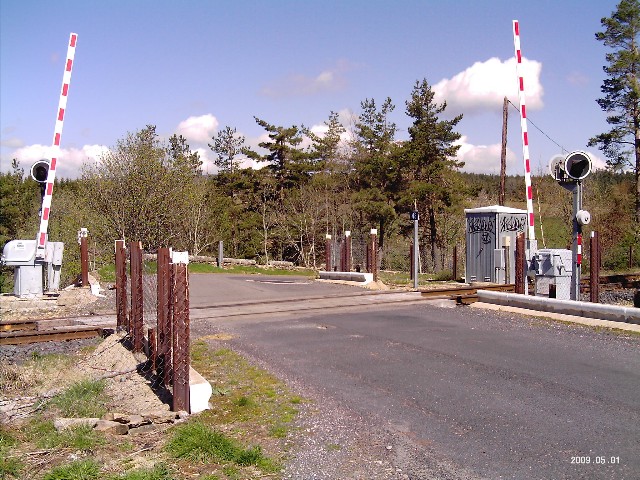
(289,164)
(227,145)
(430,157)
(377,172)
(621,91)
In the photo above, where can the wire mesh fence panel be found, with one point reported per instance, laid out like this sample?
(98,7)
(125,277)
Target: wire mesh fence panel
(136,319)
(181,347)
(150,297)
(165,315)
(359,251)
(121,285)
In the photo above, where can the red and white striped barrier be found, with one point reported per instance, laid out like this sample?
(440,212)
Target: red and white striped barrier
(523,126)
(57,135)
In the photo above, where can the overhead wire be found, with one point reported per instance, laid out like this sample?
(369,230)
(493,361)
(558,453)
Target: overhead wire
(564,150)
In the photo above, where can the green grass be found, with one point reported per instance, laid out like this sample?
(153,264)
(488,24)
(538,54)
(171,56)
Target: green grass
(7,440)
(240,437)
(10,467)
(80,438)
(248,270)
(158,472)
(107,272)
(82,399)
(251,401)
(196,442)
(424,279)
(79,470)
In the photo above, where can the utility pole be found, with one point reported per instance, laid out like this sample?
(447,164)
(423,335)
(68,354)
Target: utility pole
(503,153)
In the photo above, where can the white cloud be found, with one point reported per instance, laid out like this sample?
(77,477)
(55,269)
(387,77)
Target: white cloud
(198,129)
(69,160)
(577,79)
(484,85)
(330,79)
(12,142)
(597,162)
(486,158)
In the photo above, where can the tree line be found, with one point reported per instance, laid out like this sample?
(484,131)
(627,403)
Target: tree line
(148,190)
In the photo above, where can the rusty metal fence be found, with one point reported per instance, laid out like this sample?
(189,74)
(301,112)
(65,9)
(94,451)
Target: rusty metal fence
(153,311)
(361,252)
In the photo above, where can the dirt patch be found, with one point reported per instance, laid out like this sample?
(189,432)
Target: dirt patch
(130,391)
(74,301)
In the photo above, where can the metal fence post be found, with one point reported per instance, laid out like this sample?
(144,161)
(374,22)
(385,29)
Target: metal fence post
(181,349)
(594,268)
(411,260)
(121,285)
(137,301)
(520,261)
(454,268)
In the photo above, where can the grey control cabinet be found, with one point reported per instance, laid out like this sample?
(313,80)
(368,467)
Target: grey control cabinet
(491,243)
(554,268)
(28,273)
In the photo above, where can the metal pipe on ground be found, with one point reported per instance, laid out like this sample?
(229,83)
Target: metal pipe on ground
(568,307)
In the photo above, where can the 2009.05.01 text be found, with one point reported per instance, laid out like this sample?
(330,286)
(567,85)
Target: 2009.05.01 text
(599,460)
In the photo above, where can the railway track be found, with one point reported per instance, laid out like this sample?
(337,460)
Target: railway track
(613,282)
(465,295)
(17,332)
(20,332)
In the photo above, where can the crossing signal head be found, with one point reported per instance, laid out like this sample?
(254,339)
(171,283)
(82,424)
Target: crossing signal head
(40,171)
(577,165)
(569,169)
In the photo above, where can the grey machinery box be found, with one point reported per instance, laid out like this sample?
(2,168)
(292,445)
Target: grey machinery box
(488,231)
(28,270)
(554,268)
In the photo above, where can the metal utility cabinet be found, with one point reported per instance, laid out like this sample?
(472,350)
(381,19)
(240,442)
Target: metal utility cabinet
(29,280)
(553,268)
(491,242)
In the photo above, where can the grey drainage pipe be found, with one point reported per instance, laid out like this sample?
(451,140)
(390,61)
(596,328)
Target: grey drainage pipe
(568,307)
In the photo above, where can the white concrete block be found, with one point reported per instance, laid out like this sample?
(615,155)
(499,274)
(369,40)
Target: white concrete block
(200,392)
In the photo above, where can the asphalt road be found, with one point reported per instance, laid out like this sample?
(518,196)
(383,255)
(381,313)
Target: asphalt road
(496,395)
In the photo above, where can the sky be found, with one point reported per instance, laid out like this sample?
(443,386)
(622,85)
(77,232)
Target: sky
(193,67)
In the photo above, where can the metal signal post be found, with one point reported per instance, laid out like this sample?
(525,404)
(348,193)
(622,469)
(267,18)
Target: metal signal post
(415,217)
(569,172)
